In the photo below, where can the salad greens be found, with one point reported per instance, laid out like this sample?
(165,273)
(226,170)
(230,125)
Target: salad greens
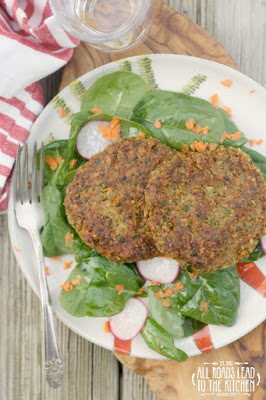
(161,341)
(124,94)
(173,110)
(258,159)
(116,93)
(220,291)
(96,295)
(173,322)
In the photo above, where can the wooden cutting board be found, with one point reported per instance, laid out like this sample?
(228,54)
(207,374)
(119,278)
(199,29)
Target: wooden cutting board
(174,33)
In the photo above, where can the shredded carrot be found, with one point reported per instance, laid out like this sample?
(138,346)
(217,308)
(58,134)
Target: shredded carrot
(107,327)
(68,239)
(233,136)
(184,148)
(192,147)
(115,130)
(179,285)
(67,286)
(147,90)
(253,141)
(204,306)
(67,264)
(154,282)
(75,282)
(162,293)
(47,271)
(79,276)
(141,135)
(166,303)
(190,124)
(58,160)
(29,184)
(168,292)
(157,124)
(200,146)
(50,161)
(119,289)
(215,99)
(17,249)
(159,294)
(115,121)
(161,325)
(141,290)
(196,128)
(73,163)
(252,91)
(166,256)
(228,110)
(105,131)
(60,296)
(204,130)
(192,276)
(84,92)
(57,258)
(226,82)
(62,112)
(96,110)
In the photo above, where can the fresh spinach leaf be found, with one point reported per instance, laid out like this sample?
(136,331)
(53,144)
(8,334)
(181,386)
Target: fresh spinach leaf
(159,340)
(132,129)
(173,110)
(220,290)
(80,250)
(172,321)
(96,295)
(57,148)
(258,159)
(77,123)
(229,125)
(116,93)
(55,224)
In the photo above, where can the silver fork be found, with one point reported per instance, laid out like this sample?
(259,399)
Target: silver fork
(29,215)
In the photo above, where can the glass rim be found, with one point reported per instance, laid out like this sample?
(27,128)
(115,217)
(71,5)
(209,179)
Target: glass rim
(109,36)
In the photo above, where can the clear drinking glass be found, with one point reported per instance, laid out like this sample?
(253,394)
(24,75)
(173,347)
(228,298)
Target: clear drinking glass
(108,25)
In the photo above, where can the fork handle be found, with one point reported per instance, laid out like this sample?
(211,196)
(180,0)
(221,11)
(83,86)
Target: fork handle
(52,356)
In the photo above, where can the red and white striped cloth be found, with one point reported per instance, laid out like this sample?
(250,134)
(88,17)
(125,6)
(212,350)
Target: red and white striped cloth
(32,46)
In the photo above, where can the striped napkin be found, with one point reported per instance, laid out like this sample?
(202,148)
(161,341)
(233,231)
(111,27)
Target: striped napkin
(32,46)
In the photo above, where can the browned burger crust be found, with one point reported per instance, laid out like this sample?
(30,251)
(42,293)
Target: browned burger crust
(105,203)
(207,210)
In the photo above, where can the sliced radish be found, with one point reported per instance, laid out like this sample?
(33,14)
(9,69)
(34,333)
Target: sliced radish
(160,269)
(90,140)
(127,324)
(263,243)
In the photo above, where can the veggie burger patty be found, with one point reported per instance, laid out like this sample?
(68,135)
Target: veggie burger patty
(206,210)
(105,202)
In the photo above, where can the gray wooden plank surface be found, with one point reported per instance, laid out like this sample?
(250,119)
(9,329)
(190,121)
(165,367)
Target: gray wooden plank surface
(92,373)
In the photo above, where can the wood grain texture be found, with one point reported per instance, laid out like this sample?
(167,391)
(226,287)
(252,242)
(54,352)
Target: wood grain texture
(92,373)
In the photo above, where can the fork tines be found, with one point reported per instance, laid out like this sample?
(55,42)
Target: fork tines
(29,185)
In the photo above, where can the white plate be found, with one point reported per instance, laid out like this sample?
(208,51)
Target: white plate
(171,72)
